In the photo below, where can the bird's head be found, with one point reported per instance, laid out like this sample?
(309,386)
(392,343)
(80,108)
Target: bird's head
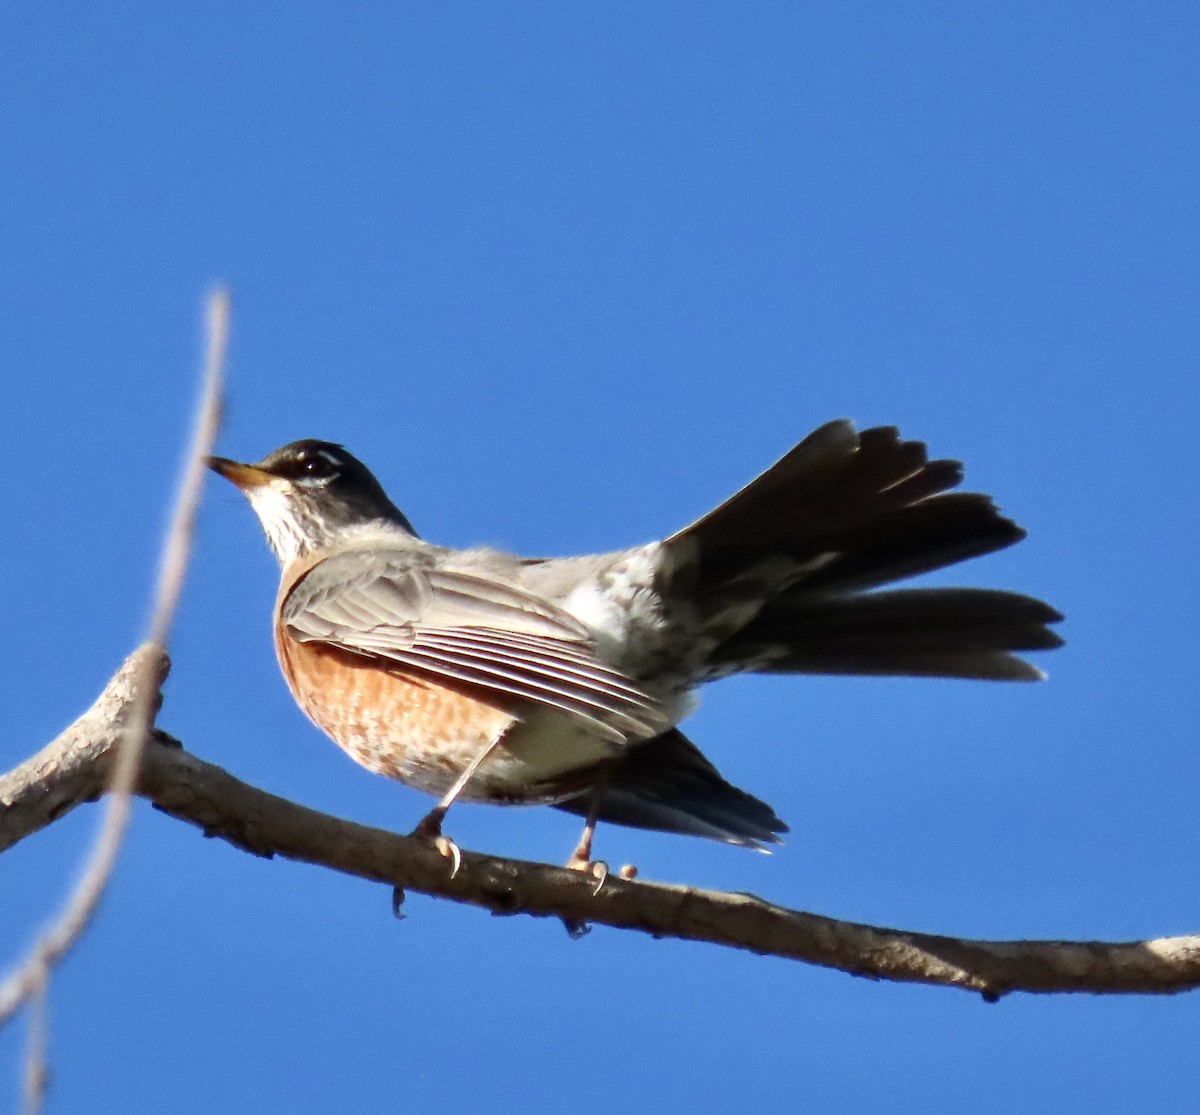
(310,494)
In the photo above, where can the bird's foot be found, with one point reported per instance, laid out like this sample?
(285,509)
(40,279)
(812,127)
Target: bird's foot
(582,862)
(596,868)
(430,828)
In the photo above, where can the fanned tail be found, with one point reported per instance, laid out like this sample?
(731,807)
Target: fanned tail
(780,571)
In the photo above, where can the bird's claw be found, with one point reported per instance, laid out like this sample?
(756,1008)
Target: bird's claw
(576,929)
(597,868)
(450,850)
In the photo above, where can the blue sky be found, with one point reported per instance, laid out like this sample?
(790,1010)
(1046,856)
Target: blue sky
(566,275)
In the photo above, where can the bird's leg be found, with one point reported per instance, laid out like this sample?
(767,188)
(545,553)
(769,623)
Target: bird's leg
(581,858)
(430,826)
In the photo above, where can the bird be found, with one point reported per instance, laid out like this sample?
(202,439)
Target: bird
(482,675)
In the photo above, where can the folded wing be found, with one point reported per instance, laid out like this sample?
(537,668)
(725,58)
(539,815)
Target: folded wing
(396,609)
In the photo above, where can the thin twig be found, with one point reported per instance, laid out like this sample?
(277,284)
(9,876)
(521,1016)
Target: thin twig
(30,976)
(37,1076)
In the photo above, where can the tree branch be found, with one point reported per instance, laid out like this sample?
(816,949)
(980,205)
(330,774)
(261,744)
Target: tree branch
(75,767)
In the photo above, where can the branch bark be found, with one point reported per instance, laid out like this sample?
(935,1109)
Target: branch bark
(75,768)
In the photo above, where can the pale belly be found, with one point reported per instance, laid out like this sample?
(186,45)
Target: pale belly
(425,735)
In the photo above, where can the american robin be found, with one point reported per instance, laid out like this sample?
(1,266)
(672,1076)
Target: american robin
(482,675)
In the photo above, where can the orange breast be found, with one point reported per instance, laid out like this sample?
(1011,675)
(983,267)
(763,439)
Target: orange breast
(401,725)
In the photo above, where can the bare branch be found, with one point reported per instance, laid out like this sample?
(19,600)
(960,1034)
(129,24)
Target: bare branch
(258,822)
(74,767)
(30,975)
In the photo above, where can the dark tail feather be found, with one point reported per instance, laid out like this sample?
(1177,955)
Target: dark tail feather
(842,512)
(667,785)
(864,508)
(936,632)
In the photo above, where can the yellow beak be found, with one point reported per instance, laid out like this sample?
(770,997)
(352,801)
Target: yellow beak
(244,476)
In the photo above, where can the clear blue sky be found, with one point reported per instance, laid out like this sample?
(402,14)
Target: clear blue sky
(565,275)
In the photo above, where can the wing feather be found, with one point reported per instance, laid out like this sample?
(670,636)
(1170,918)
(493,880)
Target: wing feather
(468,627)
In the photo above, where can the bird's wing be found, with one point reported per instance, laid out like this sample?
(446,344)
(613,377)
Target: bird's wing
(467,627)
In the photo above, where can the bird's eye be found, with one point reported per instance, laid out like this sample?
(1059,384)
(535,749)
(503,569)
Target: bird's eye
(317,465)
